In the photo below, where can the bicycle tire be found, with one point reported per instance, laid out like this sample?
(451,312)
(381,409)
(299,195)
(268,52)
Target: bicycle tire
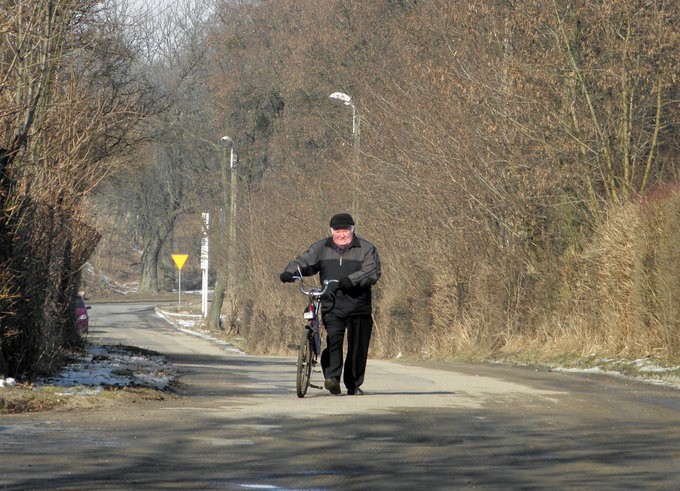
(304,364)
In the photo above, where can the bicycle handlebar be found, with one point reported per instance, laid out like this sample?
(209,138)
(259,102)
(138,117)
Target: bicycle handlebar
(313,292)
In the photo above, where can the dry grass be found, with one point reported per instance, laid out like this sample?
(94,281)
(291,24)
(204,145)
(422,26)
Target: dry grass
(30,399)
(615,298)
(619,295)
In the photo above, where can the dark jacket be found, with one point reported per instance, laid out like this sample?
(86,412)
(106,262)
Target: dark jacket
(359,261)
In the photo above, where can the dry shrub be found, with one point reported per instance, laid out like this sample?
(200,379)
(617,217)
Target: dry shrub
(474,311)
(462,297)
(401,322)
(661,271)
(49,249)
(619,296)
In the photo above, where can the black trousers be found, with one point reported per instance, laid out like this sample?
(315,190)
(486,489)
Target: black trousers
(359,330)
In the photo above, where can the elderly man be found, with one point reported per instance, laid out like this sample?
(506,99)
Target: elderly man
(353,261)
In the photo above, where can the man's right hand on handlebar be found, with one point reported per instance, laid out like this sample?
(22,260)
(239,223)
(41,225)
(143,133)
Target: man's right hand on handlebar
(345,283)
(287,277)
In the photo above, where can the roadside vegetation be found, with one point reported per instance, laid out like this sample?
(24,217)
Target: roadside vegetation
(71,99)
(516,163)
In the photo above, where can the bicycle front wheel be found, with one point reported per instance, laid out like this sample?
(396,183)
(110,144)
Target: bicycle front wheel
(304,364)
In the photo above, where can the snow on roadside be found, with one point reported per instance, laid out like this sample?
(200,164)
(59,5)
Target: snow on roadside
(641,370)
(7,382)
(114,366)
(188,324)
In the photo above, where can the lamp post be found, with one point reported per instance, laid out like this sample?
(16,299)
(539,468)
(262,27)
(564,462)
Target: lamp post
(347,101)
(231,252)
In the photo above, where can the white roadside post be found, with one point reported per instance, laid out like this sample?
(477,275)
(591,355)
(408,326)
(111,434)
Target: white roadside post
(204,264)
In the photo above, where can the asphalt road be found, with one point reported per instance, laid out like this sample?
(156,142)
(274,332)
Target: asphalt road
(238,424)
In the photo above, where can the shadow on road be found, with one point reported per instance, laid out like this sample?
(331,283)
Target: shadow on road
(417,449)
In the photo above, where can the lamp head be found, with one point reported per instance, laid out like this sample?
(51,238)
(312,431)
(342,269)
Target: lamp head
(341,96)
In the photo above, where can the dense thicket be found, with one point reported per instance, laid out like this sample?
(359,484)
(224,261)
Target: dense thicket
(69,100)
(497,139)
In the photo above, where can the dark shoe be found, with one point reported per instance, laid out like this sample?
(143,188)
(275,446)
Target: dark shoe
(355,392)
(333,386)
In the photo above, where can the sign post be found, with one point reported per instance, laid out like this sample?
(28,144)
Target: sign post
(204,264)
(179,259)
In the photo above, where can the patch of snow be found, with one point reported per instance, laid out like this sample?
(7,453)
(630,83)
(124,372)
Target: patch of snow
(7,382)
(641,370)
(114,366)
(109,284)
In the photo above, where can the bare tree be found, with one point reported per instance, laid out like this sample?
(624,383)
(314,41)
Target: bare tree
(69,103)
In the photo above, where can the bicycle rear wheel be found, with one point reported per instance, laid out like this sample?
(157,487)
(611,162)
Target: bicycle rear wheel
(304,364)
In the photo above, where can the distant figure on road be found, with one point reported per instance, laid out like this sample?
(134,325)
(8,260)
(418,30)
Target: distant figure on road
(353,261)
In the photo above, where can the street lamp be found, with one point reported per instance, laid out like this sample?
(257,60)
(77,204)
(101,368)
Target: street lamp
(347,101)
(231,252)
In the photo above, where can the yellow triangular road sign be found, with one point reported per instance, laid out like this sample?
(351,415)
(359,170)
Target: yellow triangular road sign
(180,259)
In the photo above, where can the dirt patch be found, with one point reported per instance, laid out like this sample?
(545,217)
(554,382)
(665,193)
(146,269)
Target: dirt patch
(30,399)
(20,399)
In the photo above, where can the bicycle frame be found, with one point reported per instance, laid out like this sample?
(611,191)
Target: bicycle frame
(309,348)
(311,315)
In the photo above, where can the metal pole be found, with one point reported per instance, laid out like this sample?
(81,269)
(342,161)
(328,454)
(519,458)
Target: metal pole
(355,137)
(355,128)
(204,264)
(231,256)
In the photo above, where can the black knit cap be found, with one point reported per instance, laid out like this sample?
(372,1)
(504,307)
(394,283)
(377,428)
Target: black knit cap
(342,220)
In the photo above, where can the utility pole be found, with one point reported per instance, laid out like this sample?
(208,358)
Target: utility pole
(231,258)
(230,296)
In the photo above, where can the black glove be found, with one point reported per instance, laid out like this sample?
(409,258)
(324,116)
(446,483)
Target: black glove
(345,283)
(287,277)
(332,287)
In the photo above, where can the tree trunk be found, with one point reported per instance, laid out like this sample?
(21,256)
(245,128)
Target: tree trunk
(149,280)
(154,239)
(213,319)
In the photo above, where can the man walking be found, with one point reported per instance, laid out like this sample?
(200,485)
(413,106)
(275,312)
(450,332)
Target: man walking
(353,261)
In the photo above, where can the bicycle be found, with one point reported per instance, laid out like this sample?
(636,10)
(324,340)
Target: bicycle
(309,349)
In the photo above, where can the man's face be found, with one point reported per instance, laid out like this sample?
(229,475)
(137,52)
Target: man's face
(342,236)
